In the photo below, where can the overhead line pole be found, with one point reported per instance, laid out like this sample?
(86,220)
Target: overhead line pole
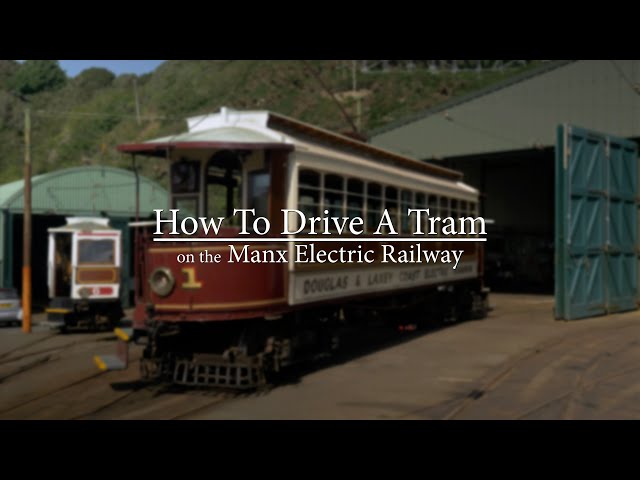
(26,247)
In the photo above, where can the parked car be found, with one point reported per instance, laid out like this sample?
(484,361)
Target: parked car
(10,306)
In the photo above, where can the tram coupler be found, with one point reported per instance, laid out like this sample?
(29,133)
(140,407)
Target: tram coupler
(119,361)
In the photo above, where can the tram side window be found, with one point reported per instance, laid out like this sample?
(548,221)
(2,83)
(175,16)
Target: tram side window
(309,193)
(421,203)
(334,195)
(355,198)
(374,206)
(443,212)
(406,202)
(391,204)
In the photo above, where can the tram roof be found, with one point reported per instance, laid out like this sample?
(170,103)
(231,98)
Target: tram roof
(85,224)
(256,130)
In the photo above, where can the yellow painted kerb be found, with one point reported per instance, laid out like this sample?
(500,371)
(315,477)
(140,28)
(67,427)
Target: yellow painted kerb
(121,334)
(101,365)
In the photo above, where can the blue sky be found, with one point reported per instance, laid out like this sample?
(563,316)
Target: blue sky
(139,67)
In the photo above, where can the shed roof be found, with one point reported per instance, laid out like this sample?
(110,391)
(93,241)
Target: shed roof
(524,112)
(87,191)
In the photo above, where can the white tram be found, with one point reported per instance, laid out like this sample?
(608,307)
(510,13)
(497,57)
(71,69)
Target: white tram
(83,274)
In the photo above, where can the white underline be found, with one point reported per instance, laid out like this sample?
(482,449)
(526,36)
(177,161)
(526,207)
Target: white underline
(316,240)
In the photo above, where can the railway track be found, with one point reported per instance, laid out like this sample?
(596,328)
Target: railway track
(26,372)
(141,401)
(558,378)
(575,349)
(4,359)
(583,386)
(28,345)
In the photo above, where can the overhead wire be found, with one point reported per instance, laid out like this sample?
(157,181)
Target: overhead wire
(633,86)
(49,113)
(488,133)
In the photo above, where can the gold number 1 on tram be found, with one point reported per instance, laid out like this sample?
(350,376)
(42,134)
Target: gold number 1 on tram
(191,282)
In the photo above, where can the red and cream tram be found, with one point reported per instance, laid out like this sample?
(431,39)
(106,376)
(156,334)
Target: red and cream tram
(228,323)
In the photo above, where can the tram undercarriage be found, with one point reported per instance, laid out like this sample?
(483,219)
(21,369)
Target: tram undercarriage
(247,354)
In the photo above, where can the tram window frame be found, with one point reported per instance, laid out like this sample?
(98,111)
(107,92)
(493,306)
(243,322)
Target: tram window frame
(420,203)
(94,243)
(391,204)
(433,204)
(454,212)
(443,211)
(463,213)
(407,200)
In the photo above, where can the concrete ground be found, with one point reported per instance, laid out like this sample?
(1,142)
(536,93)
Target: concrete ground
(517,363)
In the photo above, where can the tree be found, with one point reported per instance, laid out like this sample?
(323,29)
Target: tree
(8,69)
(94,79)
(35,76)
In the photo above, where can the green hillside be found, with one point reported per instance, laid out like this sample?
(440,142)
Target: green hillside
(80,120)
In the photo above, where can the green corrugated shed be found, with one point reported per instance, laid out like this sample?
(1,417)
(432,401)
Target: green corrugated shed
(85,191)
(524,112)
(81,191)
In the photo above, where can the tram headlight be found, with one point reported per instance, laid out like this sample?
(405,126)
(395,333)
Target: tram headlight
(162,281)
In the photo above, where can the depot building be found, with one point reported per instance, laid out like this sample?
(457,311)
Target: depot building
(503,139)
(89,191)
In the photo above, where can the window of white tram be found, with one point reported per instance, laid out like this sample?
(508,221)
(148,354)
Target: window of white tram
(96,252)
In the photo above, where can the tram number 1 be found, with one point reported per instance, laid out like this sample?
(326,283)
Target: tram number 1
(191,282)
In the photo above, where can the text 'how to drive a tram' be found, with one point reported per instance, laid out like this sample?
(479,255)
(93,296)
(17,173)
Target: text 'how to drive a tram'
(392,238)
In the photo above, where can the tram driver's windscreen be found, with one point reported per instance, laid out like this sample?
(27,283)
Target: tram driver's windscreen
(223,186)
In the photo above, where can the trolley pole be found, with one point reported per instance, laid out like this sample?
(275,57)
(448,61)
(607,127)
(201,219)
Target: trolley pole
(26,248)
